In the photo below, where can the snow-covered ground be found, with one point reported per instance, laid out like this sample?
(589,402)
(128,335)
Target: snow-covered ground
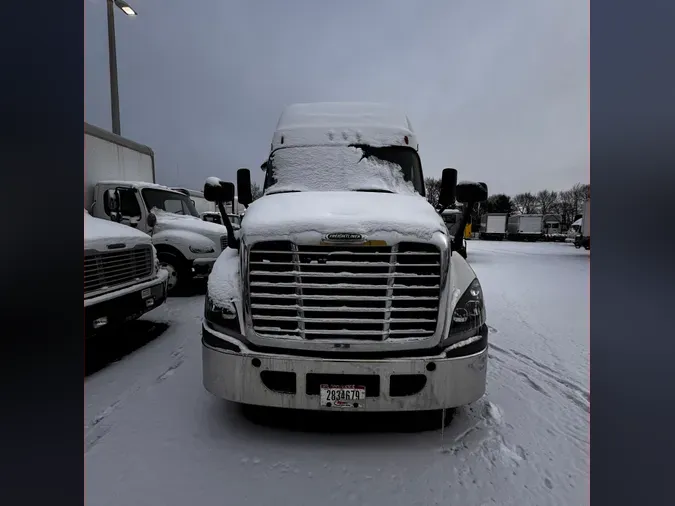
(154,436)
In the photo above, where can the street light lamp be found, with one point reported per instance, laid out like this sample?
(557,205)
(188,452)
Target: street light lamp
(112,59)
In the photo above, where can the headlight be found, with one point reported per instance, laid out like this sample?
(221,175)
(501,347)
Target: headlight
(201,251)
(468,316)
(221,317)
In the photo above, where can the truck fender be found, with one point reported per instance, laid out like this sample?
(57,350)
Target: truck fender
(461,276)
(181,240)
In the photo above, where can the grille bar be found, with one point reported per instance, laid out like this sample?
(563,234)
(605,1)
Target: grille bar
(346,274)
(344,292)
(114,268)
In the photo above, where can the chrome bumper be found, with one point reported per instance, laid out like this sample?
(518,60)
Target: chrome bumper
(236,376)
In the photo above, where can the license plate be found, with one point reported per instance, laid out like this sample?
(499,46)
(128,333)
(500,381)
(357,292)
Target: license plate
(343,396)
(146,293)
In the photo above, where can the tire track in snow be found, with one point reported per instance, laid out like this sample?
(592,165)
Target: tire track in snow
(578,395)
(95,430)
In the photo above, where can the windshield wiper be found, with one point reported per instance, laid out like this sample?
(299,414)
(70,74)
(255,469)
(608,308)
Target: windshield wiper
(373,190)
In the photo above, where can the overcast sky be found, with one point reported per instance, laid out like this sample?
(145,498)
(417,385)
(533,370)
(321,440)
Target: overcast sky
(498,89)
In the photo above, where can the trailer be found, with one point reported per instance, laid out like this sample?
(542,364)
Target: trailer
(493,226)
(525,227)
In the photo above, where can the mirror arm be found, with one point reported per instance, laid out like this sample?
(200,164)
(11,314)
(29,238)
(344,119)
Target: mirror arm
(232,241)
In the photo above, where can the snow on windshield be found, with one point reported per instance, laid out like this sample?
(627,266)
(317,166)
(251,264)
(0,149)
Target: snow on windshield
(340,168)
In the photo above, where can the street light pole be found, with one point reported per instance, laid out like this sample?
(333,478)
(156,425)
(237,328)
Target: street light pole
(112,59)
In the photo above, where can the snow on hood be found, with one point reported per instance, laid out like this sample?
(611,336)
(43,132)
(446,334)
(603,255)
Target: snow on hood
(223,284)
(98,233)
(289,214)
(173,221)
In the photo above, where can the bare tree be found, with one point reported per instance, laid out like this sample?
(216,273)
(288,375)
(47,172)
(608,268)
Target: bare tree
(525,203)
(433,190)
(256,190)
(580,193)
(546,200)
(566,207)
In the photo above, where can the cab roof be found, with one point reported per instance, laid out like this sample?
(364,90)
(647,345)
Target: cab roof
(343,123)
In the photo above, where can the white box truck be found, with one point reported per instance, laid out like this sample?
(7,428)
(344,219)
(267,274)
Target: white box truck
(525,227)
(187,246)
(345,289)
(493,226)
(122,277)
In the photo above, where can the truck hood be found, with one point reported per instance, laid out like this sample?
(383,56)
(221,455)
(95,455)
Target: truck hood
(172,221)
(376,215)
(99,233)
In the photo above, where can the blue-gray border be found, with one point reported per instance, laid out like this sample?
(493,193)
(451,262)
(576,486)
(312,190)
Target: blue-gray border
(42,369)
(632,177)
(632,337)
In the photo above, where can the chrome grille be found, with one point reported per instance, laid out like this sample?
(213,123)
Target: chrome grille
(113,268)
(344,292)
(223,242)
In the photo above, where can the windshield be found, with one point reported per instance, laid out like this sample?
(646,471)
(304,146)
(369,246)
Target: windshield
(390,169)
(168,201)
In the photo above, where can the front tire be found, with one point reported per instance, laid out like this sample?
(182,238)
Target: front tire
(178,272)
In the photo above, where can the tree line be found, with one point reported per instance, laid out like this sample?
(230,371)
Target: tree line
(567,204)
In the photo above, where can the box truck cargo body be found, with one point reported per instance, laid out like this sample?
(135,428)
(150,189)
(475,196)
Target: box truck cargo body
(525,227)
(493,226)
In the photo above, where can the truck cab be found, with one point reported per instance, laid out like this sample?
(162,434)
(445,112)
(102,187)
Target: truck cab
(187,246)
(344,288)
(122,275)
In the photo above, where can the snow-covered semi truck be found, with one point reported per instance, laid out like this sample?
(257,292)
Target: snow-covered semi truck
(493,226)
(344,289)
(187,246)
(122,277)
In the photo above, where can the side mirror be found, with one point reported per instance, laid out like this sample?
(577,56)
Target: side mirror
(214,191)
(469,192)
(244,187)
(448,187)
(151,220)
(263,167)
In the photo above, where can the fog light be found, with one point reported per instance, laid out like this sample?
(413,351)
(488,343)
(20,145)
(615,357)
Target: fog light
(100,322)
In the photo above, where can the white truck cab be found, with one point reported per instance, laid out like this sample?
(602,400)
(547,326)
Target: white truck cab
(122,276)
(187,246)
(344,289)
(121,170)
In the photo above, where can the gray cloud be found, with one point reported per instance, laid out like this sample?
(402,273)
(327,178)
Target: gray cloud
(497,89)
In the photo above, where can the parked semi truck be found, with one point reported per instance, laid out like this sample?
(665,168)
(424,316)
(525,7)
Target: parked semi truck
(201,204)
(493,226)
(122,276)
(525,227)
(452,218)
(186,245)
(344,289)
